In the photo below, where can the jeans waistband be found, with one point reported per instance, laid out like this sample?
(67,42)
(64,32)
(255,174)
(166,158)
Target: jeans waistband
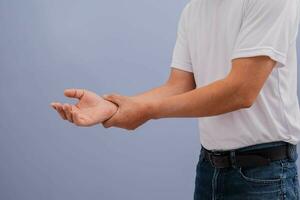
(263,145)
(292,149)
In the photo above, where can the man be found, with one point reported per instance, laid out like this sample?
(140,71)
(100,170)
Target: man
(235,68)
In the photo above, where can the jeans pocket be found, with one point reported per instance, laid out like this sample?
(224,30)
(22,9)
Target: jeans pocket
(258,179)
(263,175)
(262,182)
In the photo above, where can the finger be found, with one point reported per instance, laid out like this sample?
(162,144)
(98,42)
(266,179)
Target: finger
(115,98)
(70,108)
(67,110)
(74,93)
(61,111)
(107,124)
(58,107)
(53,105)
(113,121)
(68,113)
(75,115)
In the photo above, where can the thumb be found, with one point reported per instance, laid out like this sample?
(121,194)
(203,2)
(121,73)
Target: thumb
(74,93)
(115,98)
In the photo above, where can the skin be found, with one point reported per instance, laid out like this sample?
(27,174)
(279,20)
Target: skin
(90,110)
(178,97)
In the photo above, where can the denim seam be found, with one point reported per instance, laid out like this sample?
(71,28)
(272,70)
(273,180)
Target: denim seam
(296,189)
(283,178)
(215,184)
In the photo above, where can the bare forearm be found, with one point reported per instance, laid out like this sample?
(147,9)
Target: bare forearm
(179,82)
(237,90)
(164,91)
(217,98)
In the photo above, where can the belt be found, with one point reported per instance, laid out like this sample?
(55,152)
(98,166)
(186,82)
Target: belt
(250,158)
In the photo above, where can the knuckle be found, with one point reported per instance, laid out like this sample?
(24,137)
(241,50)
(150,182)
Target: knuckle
(106,125)
(113,95)
(131,128)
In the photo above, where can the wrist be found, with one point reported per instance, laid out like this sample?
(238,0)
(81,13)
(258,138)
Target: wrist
(112,109)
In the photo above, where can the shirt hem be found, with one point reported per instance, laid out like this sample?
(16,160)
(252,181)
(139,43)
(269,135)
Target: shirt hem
(182,66)
(263,51)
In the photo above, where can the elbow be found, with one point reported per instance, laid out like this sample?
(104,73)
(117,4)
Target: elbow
(247,103)
(244,94)
(247,100)
(244,97)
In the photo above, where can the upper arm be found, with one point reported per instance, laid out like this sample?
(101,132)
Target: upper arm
(268,29)
(248,76)
(184,80)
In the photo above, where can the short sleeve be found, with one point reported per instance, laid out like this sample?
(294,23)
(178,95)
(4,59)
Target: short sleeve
(268,29)
(181,55)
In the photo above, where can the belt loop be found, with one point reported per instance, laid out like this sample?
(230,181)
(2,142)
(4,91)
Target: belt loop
(233,159)
(211,160)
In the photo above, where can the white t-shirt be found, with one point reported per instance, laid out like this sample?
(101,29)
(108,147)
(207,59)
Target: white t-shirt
(213,32)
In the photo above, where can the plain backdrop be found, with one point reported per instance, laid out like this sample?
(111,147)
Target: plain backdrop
(105,46)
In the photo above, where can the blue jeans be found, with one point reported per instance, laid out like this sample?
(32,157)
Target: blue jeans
(277,181)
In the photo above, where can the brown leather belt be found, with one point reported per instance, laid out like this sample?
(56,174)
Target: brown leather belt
(250,158)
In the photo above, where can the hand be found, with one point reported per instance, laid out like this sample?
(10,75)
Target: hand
(90,110)
(131,113)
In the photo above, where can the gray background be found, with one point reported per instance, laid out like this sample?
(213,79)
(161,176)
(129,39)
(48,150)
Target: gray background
(105,46)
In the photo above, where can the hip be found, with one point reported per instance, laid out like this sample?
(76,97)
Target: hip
(277,180)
